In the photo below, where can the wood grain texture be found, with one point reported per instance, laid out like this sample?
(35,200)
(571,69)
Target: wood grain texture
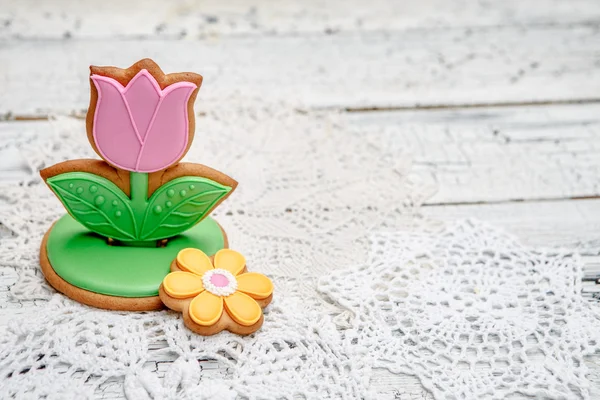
(483,155)
(192,19)
(571,224)
(496,154)
(414,68)
(521,168)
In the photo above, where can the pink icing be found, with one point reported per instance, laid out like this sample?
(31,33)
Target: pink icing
(140,127)
(219,280)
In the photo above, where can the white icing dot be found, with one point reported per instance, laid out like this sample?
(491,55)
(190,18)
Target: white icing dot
(226,289)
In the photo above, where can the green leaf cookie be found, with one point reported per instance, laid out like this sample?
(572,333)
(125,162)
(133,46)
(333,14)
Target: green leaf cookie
(179,204)
(96,203)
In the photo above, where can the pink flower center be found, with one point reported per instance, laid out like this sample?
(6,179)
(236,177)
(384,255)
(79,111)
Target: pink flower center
(219,280)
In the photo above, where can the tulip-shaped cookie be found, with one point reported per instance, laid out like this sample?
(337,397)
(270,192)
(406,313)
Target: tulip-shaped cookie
(141,122)
(141,127)
(139,196)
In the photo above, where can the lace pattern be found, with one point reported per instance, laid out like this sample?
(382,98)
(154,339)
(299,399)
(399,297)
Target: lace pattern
(471,312)
(303,208)
(360,283)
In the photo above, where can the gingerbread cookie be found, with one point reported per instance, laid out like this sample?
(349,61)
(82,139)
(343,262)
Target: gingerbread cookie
(216,294)
(130,214)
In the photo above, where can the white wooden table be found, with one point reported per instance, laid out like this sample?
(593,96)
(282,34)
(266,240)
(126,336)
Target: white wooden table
(498,101)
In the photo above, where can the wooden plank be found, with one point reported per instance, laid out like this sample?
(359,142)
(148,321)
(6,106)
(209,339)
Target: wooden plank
(571,224)
(487,154)
(185,19)
(495,154)
(414,68)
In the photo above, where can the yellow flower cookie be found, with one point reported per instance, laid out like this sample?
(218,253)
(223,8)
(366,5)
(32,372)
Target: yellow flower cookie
(216,295)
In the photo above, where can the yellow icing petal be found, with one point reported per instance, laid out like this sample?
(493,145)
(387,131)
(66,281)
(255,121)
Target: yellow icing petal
(255,285)
(182,285)
(194,260)
(242,308)
(230,260)
(206,308)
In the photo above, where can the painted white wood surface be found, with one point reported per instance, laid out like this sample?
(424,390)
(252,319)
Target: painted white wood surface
(496,154)
(480,155)
(413,68)
(524,167)
(571,224)
(192,19)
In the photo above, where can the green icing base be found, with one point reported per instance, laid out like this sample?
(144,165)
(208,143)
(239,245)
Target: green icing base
(85,260)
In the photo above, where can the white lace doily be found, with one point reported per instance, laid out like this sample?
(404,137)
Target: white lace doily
(303,207)
(470,311)
(466,308)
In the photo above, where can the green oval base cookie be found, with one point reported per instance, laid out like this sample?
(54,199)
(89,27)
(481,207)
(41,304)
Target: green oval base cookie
(86,261)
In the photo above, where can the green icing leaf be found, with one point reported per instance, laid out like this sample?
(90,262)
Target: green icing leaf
(96,203)
(180,204)
(102,207)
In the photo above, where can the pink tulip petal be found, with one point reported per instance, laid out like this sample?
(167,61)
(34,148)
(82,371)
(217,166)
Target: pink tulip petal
(142,95)
(141,127)
(114,134)
(167,136)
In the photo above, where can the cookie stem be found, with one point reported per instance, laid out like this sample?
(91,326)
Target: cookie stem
(138,182)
